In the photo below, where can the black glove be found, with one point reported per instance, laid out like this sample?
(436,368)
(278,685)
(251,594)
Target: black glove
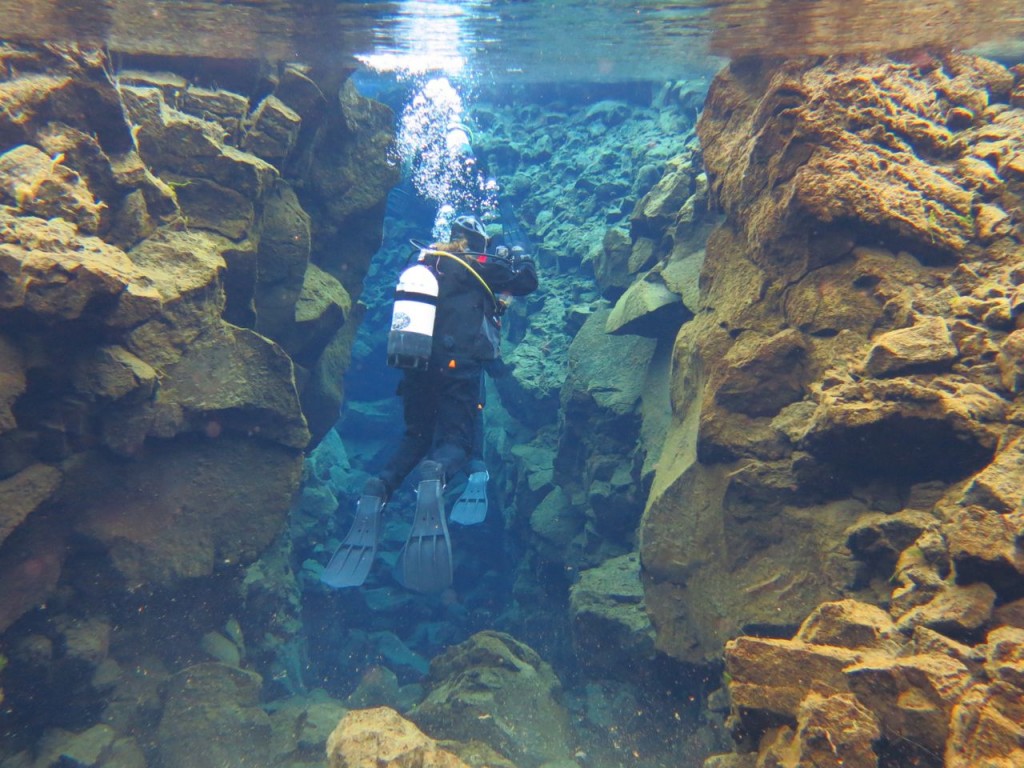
(520,259)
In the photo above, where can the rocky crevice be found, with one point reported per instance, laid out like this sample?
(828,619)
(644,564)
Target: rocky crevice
(847,401)
(174,325)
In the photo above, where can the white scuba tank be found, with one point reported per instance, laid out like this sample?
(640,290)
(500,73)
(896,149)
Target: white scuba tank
(412,320)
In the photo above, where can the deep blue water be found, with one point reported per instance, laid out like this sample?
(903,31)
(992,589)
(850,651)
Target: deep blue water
(509,64)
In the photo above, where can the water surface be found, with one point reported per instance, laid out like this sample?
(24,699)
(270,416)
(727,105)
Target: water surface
(540,40)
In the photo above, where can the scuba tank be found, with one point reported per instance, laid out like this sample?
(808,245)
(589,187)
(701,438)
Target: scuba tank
(412,320)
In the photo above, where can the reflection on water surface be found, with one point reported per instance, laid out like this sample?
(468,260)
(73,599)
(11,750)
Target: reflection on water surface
(526,39)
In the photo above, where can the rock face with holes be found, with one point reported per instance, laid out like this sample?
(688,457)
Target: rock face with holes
(173,320)
(846,409)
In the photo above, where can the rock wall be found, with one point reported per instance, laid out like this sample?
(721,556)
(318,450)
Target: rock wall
(847,408)
(175,318)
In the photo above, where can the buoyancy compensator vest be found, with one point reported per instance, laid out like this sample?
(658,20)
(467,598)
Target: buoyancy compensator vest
(411,338)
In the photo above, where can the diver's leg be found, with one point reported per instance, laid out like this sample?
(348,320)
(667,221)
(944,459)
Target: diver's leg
(419,391)
(458,417)
(425,564)
(471,506)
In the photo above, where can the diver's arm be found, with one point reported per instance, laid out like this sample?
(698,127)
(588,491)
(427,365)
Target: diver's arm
(517,275)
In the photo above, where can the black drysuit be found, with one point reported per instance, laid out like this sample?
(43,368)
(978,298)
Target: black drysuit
(442,404)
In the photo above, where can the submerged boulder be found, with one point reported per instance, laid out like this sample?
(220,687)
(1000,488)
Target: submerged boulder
(381,738)
(647,308)
(496,690)
(158,529)
(212,718)
(599,443)
(612,633)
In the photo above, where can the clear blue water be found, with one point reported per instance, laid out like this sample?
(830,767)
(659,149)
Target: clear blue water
(502,65)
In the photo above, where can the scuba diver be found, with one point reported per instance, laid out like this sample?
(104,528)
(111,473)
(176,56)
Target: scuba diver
(445,332)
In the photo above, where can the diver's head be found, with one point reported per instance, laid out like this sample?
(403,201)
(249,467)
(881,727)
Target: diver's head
(470,229)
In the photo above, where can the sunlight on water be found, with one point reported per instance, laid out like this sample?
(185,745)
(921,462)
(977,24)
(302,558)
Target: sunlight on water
(428,38)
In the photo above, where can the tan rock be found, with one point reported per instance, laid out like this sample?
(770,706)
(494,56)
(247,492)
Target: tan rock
(381,738)
(184,268)
(161,204)
(216,186)
(111,372)
(347,178)
(912,697)
(158,530)
(641,255)
(810,162)
(298,91)
(983,545)
(205,204)
(611,263)
(281,263)
(131,222)
(322,308)
(848,624)
(212,717)
(23,493)
(660,206)
(778,748)
(12,382)
(759,375)
(920,573)
(1011,361)
(992,222)
(747,558)
(999,485)
(56,274)
(927,641)
(272,130)
(187,148)
(828,300)
(682,276)
(170,85)
(225,107)
(986,728)
(238,379)
(925,344)
(516,709)
(873,176)
(771,677)
(898,426)
(611,630)
(1010,614)
(974,341)
(731,761)
(1004,659)
(837,731)
(45,186)
(956,610)
(882,536)
(647,308)
(30,572)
